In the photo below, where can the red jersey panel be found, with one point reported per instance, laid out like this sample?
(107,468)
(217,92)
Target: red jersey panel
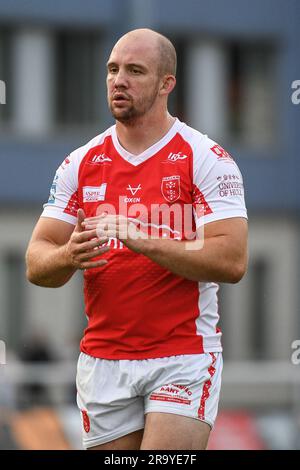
(136,309)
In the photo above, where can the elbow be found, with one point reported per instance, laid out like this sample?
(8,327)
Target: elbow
(31,276)
(29,271)
(237,272)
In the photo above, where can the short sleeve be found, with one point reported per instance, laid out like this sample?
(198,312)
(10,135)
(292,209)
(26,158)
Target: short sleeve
(63,199)
(218,188)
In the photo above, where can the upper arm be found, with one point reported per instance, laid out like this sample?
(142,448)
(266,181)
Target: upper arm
(52,230)
(234,235)
(234,229)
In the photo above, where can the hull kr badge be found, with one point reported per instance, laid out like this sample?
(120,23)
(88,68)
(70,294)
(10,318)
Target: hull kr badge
(170,188)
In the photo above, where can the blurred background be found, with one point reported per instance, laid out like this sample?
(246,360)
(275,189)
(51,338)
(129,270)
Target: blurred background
(237,62)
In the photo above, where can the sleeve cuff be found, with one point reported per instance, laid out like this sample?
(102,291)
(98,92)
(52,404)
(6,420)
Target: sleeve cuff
(220,215)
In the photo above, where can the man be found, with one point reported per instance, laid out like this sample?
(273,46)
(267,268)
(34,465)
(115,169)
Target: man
(150,366)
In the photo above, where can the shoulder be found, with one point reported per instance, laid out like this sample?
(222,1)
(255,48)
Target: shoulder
(199,142)
(77,155)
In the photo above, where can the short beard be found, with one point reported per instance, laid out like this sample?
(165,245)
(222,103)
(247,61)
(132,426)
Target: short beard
(134,113)
(129,117)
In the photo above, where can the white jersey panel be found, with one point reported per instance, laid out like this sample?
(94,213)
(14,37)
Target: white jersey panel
(63,202)
(218,179)
(208,319)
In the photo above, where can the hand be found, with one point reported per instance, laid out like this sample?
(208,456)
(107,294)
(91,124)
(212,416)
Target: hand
(117,226)
(84,245)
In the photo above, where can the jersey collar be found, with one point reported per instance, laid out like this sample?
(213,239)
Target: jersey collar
(149,152)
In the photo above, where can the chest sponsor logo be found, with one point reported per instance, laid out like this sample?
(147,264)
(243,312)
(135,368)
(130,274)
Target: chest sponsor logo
(94,193)
(174,157)
(170,188)
(133,191)
(100,159)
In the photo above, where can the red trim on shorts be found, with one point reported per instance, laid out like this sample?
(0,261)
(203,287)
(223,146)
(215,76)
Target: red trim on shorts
(86,421)
(206,388)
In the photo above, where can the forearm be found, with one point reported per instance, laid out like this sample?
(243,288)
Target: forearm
(48,265)
(214,262)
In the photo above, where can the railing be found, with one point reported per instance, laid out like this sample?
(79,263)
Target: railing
(245,383)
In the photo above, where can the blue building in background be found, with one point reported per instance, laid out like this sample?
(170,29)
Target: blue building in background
(237,61)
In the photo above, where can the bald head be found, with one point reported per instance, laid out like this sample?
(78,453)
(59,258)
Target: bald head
(162,47)
(140,76)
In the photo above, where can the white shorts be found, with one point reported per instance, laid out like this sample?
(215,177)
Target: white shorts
(114,395)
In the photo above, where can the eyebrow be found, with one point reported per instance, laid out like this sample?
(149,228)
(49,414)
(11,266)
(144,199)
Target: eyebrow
(131,64)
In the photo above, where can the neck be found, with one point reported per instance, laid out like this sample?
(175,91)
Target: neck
(144,133)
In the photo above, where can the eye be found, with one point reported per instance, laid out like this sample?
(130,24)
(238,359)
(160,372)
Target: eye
(113,70)
(136,71)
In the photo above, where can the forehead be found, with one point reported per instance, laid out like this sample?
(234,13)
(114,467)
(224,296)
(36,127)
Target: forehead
(128,51)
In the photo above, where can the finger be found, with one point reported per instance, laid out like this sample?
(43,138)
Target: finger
(90,245)
(121,233)
(107,230)
(110,218)
(103,224)
(95,219)
(111,233)
(93,254)
(94,264)
(84,236)
(80,219)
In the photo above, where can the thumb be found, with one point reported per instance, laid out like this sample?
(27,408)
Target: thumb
(80,219)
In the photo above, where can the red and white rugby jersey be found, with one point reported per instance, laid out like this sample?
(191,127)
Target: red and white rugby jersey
(135,308)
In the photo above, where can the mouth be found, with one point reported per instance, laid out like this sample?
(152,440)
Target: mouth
(119,99)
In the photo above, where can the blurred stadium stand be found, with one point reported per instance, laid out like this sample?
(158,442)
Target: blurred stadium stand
(237,61)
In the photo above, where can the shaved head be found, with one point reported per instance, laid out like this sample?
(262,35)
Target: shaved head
(140,75)
(166,57)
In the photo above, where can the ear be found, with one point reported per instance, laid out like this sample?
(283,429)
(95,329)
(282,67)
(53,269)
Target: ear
(167,85)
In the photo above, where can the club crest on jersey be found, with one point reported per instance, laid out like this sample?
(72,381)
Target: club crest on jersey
(170,188)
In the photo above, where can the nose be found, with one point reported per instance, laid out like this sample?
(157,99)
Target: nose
(120,79)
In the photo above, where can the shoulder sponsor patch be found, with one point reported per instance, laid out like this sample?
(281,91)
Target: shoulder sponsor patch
(221,153)
(51,199)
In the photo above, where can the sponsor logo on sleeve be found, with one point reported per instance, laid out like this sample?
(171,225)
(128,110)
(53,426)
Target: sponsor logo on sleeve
(65,162)
(230,185)
(222,154)
(94,193)
(51,199)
